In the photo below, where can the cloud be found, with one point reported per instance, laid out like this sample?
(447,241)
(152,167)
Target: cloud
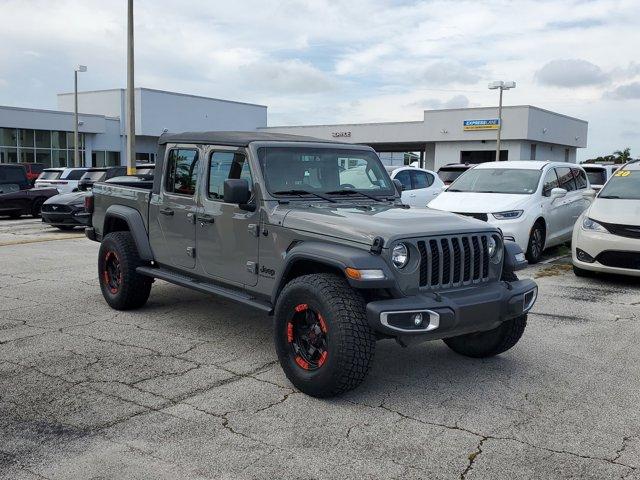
(630,91)
(291,76)
(443,73)
(571,73)
(457,101)
(575,24)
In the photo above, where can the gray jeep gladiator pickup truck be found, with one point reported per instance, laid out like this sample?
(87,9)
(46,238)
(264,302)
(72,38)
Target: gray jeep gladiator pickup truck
(314,233)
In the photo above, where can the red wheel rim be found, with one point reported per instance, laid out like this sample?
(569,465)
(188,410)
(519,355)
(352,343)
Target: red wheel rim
(307,337)
(111,272)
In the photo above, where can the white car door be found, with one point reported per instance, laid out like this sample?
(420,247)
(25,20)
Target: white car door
(571,205)
(404,178)
(421,194)
(552,208)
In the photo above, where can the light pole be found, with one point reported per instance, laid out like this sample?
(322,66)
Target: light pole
(131,117)
(76,148)
(501,86)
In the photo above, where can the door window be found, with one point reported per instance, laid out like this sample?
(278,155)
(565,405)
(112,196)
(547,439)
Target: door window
(421,179)
(182,172)
(566,180)
(580,177)
(225,165)
(405,179)
(550,182)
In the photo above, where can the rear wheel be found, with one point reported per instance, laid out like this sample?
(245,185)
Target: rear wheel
(122,287)
(536,243)
(322,337)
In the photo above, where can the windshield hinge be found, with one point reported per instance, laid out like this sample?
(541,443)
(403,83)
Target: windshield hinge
(376,247)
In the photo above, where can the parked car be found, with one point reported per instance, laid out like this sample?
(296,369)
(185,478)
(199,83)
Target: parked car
(17,197)
(419,186)
(599,174)
(535,204)
(266,220)
(33,170)
(99,174)
(65,180)
(450,173)
(606,237)
(66,211)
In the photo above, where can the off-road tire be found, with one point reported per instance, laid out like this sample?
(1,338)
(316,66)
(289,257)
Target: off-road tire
(36,208)
(489,343)
(132,288)
(581,272)
(534,254)
(349,338)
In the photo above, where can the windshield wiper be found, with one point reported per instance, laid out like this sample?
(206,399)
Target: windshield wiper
(346,191)
(305,192)
(609,196)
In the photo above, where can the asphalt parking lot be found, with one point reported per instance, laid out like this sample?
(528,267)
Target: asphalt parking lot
(189,387)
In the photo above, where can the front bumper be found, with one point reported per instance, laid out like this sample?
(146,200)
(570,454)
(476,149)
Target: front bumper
(453,313)
(517,230)
(79,218)
(595,244)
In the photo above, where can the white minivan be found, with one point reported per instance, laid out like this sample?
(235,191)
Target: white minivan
(535,204)
(419,186)
(65,180)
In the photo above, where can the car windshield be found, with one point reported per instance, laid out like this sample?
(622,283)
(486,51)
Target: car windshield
(597,176)
(498,180)
(297,170)
(50,175)
(624,184)
(448,175)
(95,175)
(76,174)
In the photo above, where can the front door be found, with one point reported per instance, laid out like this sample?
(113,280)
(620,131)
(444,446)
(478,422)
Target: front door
(174,210)
(570,204)
(227,236)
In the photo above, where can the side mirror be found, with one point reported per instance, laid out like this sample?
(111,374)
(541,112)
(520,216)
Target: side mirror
(589,194)
(558,192)
(236,190)
(398,185)
(444,187)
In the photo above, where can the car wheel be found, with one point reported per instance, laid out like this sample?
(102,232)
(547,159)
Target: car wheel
(323,340)
(122,287)
(489,343)
(536,243)
(36,208)
(15,215)
(65,228)
(581,272)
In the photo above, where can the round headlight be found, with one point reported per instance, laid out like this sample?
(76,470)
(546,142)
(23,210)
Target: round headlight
(495,249)
(400,255)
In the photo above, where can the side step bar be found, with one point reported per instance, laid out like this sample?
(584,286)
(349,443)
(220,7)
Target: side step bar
(205,287)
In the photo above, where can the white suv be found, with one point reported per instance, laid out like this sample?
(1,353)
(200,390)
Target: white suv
(420,186)
(535,204)
(65,180)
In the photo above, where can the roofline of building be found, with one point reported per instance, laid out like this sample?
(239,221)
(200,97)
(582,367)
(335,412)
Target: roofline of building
(44,110)
(343,124)
(168,92)
(507,107)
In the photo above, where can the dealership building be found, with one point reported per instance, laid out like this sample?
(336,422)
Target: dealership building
(466,135)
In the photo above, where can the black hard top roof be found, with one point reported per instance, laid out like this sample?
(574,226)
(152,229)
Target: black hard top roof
(238,139)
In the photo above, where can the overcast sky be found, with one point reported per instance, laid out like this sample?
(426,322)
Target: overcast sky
(330,61)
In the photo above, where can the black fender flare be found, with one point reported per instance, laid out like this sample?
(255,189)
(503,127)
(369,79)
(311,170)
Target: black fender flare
(136,226)
(514,259)
(339,257)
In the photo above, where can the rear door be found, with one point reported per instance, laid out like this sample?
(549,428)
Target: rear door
(404,177)
(227,236)
(173,209)
(423,187)
(553,209)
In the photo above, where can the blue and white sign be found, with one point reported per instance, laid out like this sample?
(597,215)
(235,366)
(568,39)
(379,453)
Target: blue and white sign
(489,124)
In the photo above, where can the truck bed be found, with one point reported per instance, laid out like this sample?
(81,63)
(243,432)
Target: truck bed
(108,194)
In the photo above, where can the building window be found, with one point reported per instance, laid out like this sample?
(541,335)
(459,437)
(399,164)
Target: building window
(8,137)
(533,151)
(50,148)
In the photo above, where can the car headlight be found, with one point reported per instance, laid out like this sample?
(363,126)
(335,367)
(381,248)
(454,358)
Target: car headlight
(508,215)
(593,226)
(495,249)
(400,255)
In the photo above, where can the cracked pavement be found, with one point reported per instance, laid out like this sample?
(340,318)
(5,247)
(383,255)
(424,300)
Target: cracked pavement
(189,387)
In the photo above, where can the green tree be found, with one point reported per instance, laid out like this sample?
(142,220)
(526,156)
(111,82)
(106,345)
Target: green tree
(622,156)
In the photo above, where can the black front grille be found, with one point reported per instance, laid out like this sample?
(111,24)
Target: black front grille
(618,259)
(453,261)
(48,207)
(479,216)
(628,231)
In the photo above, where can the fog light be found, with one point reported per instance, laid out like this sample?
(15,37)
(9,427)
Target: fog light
(584,256)
(417,319)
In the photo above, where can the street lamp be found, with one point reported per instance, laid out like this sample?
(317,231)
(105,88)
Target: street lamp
(501,86)
(76,150)
(131,116)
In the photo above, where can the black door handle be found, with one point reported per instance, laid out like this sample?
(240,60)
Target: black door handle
(166,211)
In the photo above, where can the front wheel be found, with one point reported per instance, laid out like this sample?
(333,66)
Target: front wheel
(122,287)
(323,340)
(36,208)
(536,243)
(489,343)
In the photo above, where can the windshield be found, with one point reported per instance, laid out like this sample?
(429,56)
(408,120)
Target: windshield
(76,174)
(95,175)
(498,180)
(323,170)
(448,175)
(50,175)
(624,184)
(597,176)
